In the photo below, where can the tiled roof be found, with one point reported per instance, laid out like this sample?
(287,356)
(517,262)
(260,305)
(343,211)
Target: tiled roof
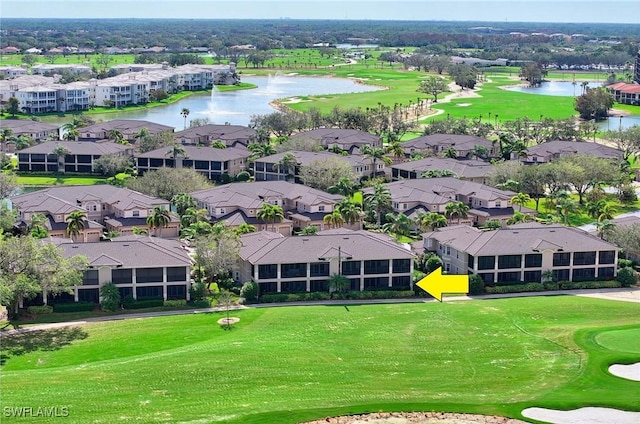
(329,136)
(462,168)
(78,147)
(576,147)
(305,158)
(460,142)
(205,153)
(226,133)
(360,245)
(20,126)
(126,126)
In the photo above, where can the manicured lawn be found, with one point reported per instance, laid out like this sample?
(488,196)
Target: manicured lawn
(47,180)
(290,364)
(623,340)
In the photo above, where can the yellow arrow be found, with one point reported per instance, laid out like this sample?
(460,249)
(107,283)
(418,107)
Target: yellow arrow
(435,284)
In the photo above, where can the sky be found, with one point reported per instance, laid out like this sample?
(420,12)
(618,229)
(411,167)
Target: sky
(579,11)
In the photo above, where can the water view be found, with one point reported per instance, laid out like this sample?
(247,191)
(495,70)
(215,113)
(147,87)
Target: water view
(556,88)
(237,107)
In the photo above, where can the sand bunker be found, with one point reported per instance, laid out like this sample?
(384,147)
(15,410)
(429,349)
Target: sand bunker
(589,415)
(630,372)
(417,418)
(463,104)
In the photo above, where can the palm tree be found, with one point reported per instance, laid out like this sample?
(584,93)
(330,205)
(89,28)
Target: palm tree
(193,215)
(518,217)
(218,145)
(351,212)
(378,200)
(60,152)
(399,224)
(450,153)
(607,213)
(117,136)
(176,150)
(344,186)
(333,219)
(338,283)
(287,165)
(182,202)
(185,113)
(76,222)
(245,228)
(604,227)
(396,151)
(432,220)
(594,209)
(261,150)
(143,132)
(565,206)
(36,226)
(159,219)
(73,125)
(309,230)
(520,199)
(71,135)
(139,231)
(458,209)
(375,154)
(270,213)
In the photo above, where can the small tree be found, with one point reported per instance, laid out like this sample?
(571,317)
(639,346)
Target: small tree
(476,284)
(250,291)
(225,301)
(627,277)
(338,284)
(110,297)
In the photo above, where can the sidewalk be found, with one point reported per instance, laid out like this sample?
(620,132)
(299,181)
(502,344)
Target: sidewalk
(619,294)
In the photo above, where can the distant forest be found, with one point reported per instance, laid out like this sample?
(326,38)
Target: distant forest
(613,44)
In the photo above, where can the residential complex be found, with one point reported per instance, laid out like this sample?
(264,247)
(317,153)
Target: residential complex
(523,253)
(546,152)
(351,141)
(463,146)
(205,135)
(304,264)
(68,156)
(476,171)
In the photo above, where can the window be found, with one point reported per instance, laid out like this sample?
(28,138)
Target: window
(321,208)
(148,292)
(149,275)
(486,262)
(607,257)
(201,164)
(321,269)
(561,274)
(381,283)
(509,261)
(470,261)
(136,213)
(89,295)
(584,258)
(606,272)
(532,276)
(125,292)
(402,282)
(487,277)
(561,259)
(90,278)
(121,276)
(178,291)
(268,287)
(533,260)
(293,270)
(176,273)
(376,267)
(583,274)
(351,267)
(498,204)
(319,285)
(401,266)
(508,277)
(354,284)
(266,272)
(293,287)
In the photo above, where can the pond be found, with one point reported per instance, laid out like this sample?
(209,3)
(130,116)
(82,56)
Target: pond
(236,107)
(555,88)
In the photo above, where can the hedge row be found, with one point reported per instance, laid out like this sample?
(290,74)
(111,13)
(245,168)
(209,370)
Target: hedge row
(74,307)
(562,285)
(143,303)
(40,310)
(175,303)
(352,295)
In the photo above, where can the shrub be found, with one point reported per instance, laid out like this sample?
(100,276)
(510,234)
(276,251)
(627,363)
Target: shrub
(627,277)
(250,291)
(433,263)
(225,178)
(146,303)
(74,307)
(197,291)
(476,284)
(40,310)
(201,303)
(273,298)
(243,176)
(625,263)
(128,300)
(575,285)
(175,303)
(551,285)
(110,297)
(515,288)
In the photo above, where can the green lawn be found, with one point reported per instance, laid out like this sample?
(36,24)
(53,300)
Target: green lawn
(290,364)
(48,180)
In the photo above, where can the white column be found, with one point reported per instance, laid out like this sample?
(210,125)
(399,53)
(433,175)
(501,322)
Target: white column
(361,275)
(278,282)
(308,277)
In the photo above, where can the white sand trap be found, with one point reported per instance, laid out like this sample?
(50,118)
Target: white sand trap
(463,104)
(630,372)
(589,415)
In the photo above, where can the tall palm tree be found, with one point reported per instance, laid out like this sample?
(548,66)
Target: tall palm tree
(159,219)
(344,186)
(520,199)
(61,153)
(185,114)
(607,213)
(378,200)
(333,219)
(375,154)
(396,150)
(458,209)
(399,223)
(288,165)
(117,136)
(176,150)
(565,206)
(270,213)
(143,132)
(182,202)
(604,227)
(351,212)
(594,209)
(76,222)
(261,150)
(432,220)
(71,135)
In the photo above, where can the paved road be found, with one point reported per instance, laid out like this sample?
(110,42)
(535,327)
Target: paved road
(621,294)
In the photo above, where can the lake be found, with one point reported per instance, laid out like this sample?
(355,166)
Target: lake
(236,107)
(555,88)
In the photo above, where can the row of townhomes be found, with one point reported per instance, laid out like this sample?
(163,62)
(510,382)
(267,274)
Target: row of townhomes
(42,94)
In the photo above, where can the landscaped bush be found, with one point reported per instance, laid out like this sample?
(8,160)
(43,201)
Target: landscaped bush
(145,303)
(575,285)
(243,176)
(627,276)
(175,303)
(201,303)
(515,288)
(551,285)
(476,284)
(40,310)
(273,298)
(110,297)
(250,291)
(74,307)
